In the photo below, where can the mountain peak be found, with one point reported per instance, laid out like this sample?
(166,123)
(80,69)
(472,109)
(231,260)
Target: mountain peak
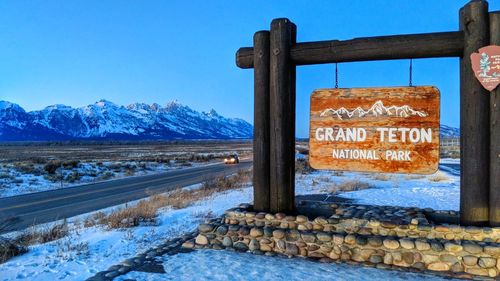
(155,106)
(105,103)
(212,113)
(173,103)
(143,107)
(4,105)
(58,107)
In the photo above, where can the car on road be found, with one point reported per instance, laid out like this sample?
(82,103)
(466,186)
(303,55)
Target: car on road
(232,159)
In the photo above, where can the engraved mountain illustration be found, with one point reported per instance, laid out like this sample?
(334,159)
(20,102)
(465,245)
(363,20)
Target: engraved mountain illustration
(378,109)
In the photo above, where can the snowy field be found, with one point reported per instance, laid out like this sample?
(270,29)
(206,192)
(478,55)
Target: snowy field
(87,251)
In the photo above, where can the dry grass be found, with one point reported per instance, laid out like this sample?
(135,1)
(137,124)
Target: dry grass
(146,210)
(347,186)
(129,172)
(438,177)
(93,219)
(39,235)
(18,245)
(67,248)
(9,248)
(302,166)
(26,168)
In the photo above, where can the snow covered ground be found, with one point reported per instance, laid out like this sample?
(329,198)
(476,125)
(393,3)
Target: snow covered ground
(87,251)
(397,190)
(440,191)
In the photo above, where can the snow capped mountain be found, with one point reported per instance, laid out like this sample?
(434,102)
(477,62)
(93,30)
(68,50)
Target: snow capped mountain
(4,105)
(107,120)
(377,109)
(12,115)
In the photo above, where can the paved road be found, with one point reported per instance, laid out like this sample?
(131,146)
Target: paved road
(42,207)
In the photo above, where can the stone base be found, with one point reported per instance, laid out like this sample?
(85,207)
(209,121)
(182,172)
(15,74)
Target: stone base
(382,237)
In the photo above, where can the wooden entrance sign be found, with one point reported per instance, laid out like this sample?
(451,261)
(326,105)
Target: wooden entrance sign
(276,54)
(392,130)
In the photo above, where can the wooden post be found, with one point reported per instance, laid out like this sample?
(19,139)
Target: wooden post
(495,132)
(282,111)
(474,120)
(261,129)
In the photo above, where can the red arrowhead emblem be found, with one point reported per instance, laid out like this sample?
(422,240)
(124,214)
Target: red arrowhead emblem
(486,66)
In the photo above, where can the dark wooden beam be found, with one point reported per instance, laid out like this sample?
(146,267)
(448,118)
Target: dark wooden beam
(495,132)
(474,120)
(261,129)
(282,110)
(429,45)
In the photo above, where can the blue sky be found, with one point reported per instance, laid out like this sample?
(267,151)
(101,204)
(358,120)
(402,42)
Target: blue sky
(78,52)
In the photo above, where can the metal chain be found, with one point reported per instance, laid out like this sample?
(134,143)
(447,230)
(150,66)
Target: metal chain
(336,77)
(411,73)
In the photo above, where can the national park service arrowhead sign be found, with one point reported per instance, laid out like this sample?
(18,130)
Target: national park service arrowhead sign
(392,130)
(486,66)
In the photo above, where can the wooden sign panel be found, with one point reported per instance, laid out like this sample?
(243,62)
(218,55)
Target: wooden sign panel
(392,130)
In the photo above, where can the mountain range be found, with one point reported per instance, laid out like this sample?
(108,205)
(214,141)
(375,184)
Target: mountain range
(107,120)
(377,109)
(137,121)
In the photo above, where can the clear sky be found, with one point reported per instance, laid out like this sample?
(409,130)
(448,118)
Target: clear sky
(78,52)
